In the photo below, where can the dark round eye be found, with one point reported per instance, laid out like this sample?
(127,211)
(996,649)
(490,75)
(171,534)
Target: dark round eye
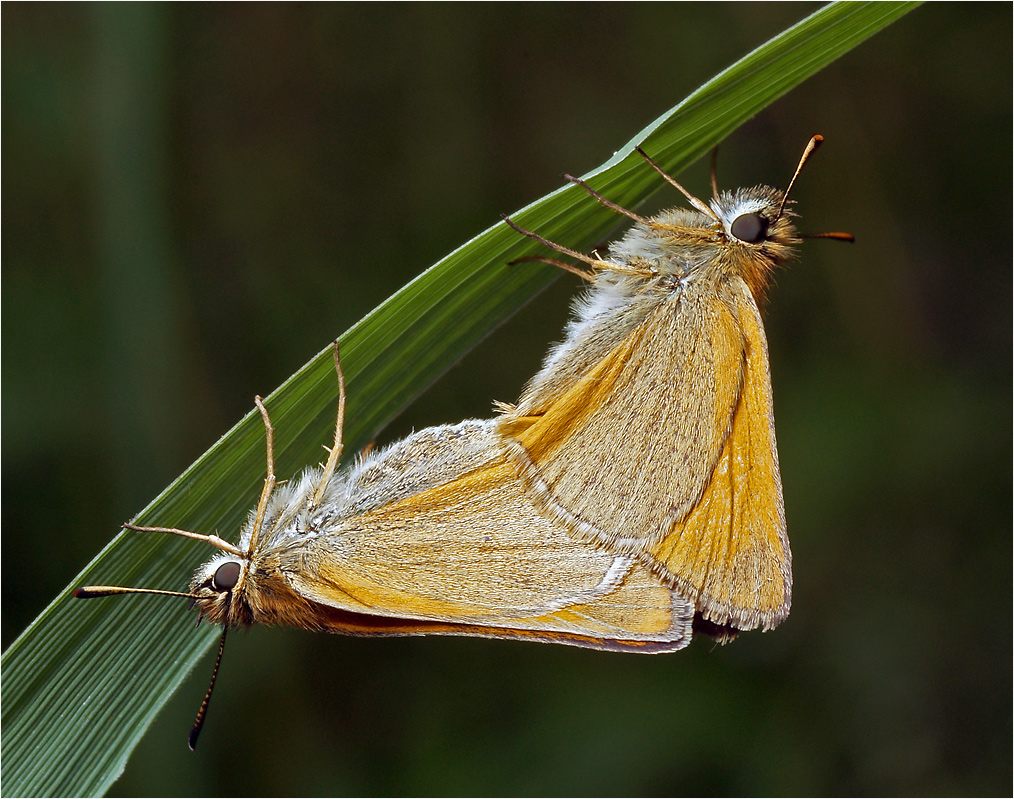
(750,228)
(226,576)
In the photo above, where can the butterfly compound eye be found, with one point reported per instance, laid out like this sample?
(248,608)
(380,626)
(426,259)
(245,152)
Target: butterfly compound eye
(750,228)
(226,576)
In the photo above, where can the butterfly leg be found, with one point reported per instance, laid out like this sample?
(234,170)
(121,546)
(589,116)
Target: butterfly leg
(336,451)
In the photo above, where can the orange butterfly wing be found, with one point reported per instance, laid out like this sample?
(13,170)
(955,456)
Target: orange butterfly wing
(731,552)
(665,450)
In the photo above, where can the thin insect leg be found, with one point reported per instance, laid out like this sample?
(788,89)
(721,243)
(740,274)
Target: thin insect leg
(269,479)
(575,270)
(597,263)
(714,172)
(608,203)
(336,450)
(700,205)
(214,540)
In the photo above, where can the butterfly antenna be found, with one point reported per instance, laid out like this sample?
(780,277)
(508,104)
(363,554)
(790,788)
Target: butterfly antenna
(811,146)
(203,711)
(834,236)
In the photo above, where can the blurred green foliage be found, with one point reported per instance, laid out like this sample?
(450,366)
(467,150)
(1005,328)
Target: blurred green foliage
(303,162)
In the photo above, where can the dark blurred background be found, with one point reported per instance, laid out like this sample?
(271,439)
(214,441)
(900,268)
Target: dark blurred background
(196,199)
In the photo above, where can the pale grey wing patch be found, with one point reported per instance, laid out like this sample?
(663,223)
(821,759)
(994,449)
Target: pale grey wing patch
(421,461)
(603,316)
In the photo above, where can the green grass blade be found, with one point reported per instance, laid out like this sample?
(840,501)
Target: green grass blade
(85,680)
